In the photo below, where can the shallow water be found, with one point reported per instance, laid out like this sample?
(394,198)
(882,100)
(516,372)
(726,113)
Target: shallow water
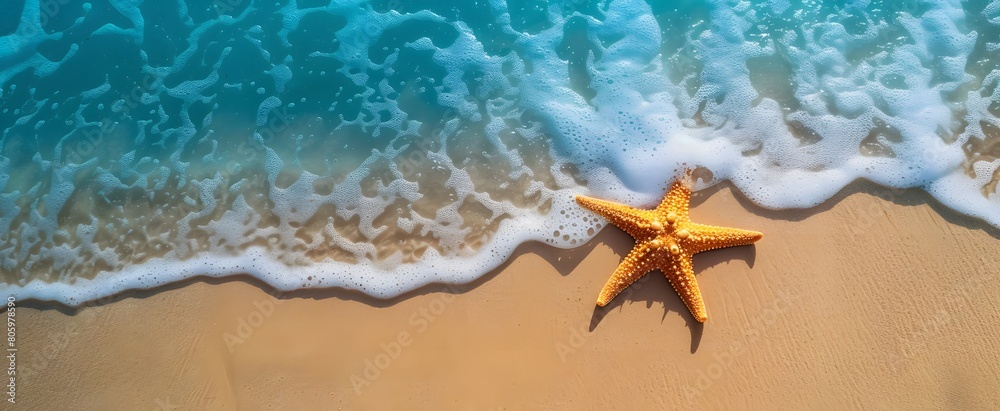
(384,145)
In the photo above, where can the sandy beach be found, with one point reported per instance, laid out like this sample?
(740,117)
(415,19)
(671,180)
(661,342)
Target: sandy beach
(179,161)
(878,299)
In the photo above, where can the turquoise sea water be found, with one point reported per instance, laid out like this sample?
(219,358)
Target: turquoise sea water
(383,145)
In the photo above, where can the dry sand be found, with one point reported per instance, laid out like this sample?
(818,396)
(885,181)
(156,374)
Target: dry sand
(864,302)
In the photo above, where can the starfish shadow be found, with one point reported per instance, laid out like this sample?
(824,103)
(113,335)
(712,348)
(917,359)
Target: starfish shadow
(654,287)
(709,259)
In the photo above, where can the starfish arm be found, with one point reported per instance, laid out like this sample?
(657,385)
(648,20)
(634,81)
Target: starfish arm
(706,237)
(681,275)
(637,263)
(676,201)
(629,219)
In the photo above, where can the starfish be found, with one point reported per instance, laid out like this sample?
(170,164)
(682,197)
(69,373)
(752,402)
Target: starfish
(665,239)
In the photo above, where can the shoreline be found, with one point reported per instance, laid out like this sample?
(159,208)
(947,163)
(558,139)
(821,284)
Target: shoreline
(552,254)
(860,301)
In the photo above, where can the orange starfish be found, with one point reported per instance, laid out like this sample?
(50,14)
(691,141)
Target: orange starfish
(665,239)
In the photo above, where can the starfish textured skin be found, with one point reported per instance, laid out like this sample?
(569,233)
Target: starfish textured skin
(665,239)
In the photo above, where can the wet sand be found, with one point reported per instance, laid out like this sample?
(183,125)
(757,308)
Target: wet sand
(877,299)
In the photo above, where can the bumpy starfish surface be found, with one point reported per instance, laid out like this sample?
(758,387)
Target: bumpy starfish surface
(665,239)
